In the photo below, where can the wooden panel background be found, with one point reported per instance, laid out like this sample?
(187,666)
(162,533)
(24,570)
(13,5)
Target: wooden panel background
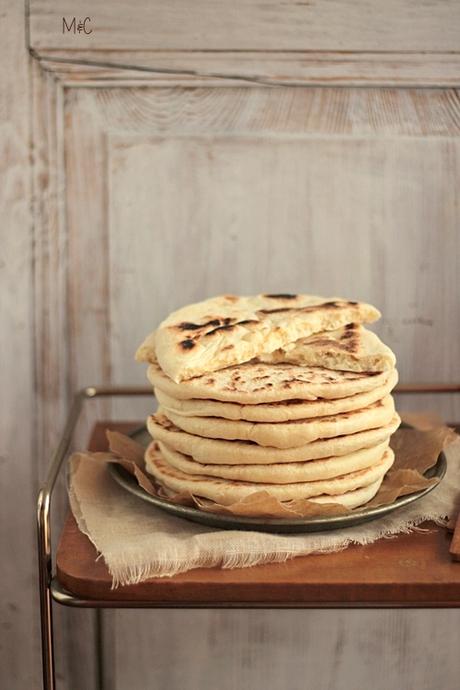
(18,476)
(122,203)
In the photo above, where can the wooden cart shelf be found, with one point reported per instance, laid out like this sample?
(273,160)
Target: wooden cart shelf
(408,570)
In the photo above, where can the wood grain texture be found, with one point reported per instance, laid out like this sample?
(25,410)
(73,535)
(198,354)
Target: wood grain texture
(49,265)
(75,635)
(18,476)
(306,113)
(88,279)
(455,543)
(345,25)
(326,650)
(239,68)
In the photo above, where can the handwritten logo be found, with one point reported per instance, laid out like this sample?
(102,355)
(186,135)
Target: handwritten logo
(71,25)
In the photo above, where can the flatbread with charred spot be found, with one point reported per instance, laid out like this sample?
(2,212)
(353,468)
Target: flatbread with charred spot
(228,330)
(281,411)
(257,382)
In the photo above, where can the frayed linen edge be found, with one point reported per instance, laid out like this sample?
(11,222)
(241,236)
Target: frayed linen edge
(131,574)
(76,509)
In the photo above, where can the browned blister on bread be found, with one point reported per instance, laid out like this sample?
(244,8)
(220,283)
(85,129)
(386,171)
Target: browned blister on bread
(228,330)
(258,382)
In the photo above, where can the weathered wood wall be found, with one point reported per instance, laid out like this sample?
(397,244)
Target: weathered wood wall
(129,192)
(18,472)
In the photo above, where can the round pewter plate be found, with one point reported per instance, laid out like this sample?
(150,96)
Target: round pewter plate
(276,525)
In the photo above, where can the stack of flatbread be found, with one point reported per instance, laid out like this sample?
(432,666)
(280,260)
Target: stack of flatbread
(289,394)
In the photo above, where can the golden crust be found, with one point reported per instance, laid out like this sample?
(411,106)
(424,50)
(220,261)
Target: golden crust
(228,330)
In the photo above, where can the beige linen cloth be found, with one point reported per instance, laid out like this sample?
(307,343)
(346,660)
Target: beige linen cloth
(139,541)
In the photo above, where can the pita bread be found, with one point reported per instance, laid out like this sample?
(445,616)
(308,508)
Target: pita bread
(351,499)
(228,330)
(287,434)
(283,473)
(275,411)
(256,382)
(351,348)
(209,450)
(226,492)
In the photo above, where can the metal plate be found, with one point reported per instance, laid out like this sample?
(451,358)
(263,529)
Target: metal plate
(276,525)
